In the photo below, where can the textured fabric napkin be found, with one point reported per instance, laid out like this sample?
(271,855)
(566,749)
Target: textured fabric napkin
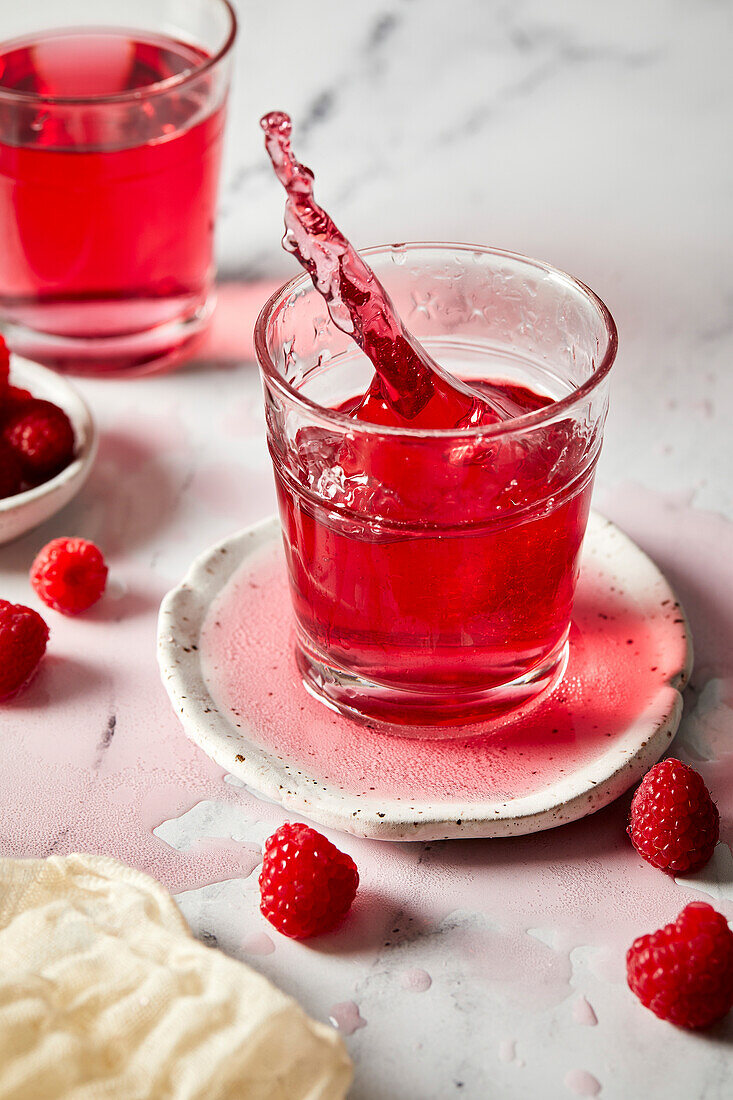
(105,995)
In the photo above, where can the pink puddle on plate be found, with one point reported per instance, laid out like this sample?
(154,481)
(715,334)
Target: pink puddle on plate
(225,648)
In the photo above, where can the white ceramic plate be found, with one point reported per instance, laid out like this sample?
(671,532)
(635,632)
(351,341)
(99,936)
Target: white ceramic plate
(226,658)
(27,510)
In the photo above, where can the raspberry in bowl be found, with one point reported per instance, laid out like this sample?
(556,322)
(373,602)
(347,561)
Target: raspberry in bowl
(47,448)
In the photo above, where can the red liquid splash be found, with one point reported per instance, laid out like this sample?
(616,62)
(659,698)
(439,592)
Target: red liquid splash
(106,212)
(410,388)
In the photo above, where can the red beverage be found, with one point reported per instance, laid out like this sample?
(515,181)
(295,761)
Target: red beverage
(107,205)
(461,579)
(432,526)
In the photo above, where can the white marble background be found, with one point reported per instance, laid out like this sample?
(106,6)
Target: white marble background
(592,135)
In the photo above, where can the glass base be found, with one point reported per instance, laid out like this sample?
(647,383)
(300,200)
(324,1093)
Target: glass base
(410,713)
(150,351)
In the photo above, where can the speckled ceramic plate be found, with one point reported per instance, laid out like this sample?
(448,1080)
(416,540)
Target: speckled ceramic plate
(226,657)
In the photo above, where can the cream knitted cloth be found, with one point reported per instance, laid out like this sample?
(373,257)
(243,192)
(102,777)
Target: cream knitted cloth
(105,995)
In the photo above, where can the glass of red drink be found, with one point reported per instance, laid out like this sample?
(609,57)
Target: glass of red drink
(111,122)
(433,572)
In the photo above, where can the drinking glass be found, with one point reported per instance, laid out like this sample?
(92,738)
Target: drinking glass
(432,573)
(111,122)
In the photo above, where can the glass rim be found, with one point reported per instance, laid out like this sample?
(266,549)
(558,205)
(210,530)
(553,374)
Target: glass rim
(505,427)
(157,87)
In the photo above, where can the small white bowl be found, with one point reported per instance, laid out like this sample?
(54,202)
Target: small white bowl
(22,512)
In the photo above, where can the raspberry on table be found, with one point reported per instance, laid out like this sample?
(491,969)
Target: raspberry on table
(69,575)
(306,884)
(674,823)
(23,639)
(42,437)
(11,474)
(684,972)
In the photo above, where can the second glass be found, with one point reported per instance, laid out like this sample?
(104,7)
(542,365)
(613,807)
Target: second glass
(111,122)
(433,572)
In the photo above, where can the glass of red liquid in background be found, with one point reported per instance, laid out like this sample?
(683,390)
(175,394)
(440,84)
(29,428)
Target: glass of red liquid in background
(433,572)
(111,122)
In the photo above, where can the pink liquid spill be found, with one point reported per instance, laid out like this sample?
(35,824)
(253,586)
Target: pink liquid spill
(105,786)
(416,980)
(409,386)
(223,856)
(583,1013)
(258,944)
(92,202)
(346,1017)
(582,1083)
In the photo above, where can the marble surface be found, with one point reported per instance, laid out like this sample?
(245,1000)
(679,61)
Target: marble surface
(595,137)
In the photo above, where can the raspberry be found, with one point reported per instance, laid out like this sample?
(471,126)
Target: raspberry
(684,972)
(12,399)
(69,575)
(674,823)
(23,638)
(11,474)
(306,885)
(42,437)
